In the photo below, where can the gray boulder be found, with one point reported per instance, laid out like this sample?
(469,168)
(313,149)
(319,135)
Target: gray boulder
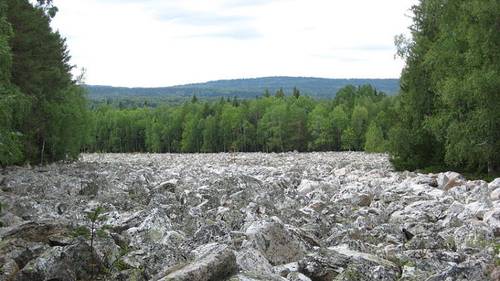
(75,262)
(274,241)
(213,262)
(340,263)
(463,272)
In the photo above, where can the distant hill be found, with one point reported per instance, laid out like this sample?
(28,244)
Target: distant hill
(242,88)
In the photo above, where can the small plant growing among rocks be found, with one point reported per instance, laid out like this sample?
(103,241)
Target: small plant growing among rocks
(95,218)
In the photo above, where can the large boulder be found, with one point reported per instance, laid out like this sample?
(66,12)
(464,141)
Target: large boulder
(449,180)
(212,262)
(492,219)
(274,241)
(463,272)
(420,212)
(35,231)
(74,262)
(251,260)
(341,263)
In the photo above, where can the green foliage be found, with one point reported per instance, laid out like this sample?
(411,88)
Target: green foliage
(321,129)
(268,123)
(450,100)
(120,265)
(280,93)
(340,122)
(349,140)
(82,231)
(42,112)
(359,124)
(374,139)
(96,215)
(11,151)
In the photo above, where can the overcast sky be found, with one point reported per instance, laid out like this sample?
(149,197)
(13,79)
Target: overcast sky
(169,42)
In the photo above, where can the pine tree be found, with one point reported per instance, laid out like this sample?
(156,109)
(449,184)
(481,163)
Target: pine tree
(55,127)
(280,93)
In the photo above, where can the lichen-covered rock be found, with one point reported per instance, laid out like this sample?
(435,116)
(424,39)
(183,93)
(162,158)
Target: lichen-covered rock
(74,262)
(275,242)
(492,219)
(213,263)
(341,263)
(251,260)
(34,231)
(8,269)
(297,276)
(252,276)
(463,272)
(284,216)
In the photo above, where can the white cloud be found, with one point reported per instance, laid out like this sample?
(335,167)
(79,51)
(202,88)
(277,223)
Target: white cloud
(160,43)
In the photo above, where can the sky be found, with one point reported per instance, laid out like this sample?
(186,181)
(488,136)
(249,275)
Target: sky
(153,43)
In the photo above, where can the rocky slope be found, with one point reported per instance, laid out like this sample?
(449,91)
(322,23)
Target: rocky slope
(315,216)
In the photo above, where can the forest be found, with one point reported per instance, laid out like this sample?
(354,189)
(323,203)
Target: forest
(358,118)
(446,115)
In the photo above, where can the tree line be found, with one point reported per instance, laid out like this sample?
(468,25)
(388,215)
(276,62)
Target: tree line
(450,88)
(43,113)
(357,119)
(447,115)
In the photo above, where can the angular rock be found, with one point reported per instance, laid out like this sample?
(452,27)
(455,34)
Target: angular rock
(492,219)
(462,272)
(340,263)
(274,241)
(251,276)
(35,231)
(251,260)
(449,180)
(8,268)
(74,262)
(297,276)
(217,264)
(272,209)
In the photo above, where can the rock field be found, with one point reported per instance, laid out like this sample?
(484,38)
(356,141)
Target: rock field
(245,217)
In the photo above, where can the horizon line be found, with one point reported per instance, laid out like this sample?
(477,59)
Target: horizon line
(233,79)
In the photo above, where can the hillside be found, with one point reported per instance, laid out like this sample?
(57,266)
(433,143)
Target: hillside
(243,88)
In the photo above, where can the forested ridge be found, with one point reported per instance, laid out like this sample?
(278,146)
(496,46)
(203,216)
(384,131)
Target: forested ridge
(240,88)
(446,116)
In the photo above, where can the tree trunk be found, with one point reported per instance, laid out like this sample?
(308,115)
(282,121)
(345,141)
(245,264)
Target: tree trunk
(43,152)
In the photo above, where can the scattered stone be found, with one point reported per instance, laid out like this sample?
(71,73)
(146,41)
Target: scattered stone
(247,216)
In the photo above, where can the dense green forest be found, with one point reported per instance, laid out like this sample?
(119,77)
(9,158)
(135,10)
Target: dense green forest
(277,122)
(43,113)
(446,116)
(241,88)
(450,88)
